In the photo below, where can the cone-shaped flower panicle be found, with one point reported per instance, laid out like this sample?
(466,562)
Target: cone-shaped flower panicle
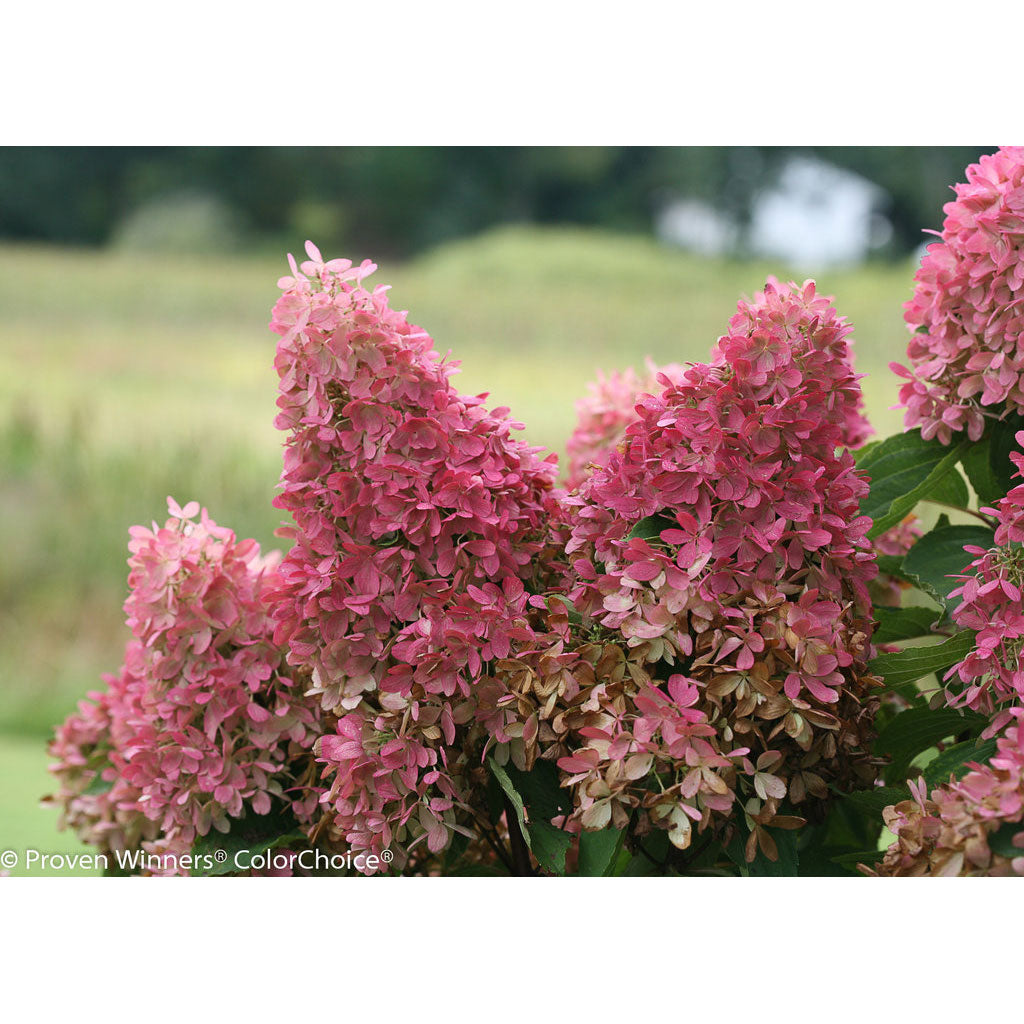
(719,573)
(967,353)
(202,724)
(419,528)
(970,826)
(990,678)
(603,415)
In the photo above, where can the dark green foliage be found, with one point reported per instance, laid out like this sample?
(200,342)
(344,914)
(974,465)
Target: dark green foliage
(903,623)
(256,833)
(399,200)
(938,557)
(903,470)
(915,730)
(914,663)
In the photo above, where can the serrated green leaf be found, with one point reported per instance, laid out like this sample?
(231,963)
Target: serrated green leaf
(914,663)
(936,557)
(903,470)
(955,759)
(549,846)
(598,851)
(903,623)
(650,527)
(510,791)
(913,731)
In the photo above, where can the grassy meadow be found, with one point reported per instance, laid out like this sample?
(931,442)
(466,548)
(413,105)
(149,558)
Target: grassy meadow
(126,378)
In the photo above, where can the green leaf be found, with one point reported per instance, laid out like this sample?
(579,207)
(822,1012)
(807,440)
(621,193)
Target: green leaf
(650,527)
(1002,441)
(913,663)
(256,833)
(893,565)
(874,801)
(978,468)
(1001,840)
(865,450)
(454,851)
(510,791)
(913,731)
(598,851)
(540,790)
(939,554)
(788,864)
(860,857)
(955,759)
(903,623)
(903,469)
(549,846)
(951,490)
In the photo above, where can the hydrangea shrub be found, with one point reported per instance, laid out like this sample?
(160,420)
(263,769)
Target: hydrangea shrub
(741,637)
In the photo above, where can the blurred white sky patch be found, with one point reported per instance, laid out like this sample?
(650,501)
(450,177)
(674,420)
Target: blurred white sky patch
(697,226)
(814,216)
(818,215)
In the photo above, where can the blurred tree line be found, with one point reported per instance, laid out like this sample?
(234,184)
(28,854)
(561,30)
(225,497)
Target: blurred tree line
(397,201)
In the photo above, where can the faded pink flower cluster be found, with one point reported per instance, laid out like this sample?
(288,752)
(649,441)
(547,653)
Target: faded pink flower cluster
(719,569)
(953,832)
(202,725)
(966,357)
(419,531)
(95,801)
(992,674)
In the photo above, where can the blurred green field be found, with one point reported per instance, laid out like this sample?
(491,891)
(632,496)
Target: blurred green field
(127,378)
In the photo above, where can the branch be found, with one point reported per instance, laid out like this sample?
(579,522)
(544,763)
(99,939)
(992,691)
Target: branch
(987,520)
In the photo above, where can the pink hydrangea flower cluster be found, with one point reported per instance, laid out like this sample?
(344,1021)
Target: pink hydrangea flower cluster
(722,545)
(420,526)
(966,357)
(952,833)
(992,674)
(603,415)
(739,459)
(202,725)
(95,801)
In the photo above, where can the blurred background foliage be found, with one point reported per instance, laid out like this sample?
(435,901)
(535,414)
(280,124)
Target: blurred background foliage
(400,201)
(135,359)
